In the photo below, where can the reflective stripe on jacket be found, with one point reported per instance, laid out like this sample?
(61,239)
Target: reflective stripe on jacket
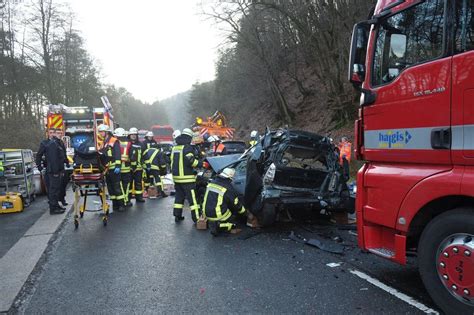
(183,163)
(221,200)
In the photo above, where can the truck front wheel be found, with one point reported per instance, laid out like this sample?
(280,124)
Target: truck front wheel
(446,260)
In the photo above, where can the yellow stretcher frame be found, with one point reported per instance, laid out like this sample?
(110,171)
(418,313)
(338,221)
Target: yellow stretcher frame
(84,188)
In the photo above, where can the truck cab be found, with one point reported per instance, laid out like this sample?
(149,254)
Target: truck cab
(413,63)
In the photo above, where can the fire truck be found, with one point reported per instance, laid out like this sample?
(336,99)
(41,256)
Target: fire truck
(79,124)
(162,133)
(413,62)
(215,125)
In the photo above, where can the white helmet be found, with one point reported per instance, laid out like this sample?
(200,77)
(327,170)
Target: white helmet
(103,127)
(253,134)
(188,132)
(149,134)
(120,132)
(176,134)
(227,173)
(133,131)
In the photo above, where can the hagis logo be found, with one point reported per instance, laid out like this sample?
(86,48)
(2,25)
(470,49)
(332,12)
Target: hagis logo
(394,139)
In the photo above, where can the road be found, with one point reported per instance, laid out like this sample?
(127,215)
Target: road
(143,262)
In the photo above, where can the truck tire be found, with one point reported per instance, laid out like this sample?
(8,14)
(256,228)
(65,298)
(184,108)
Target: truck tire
(446,260)
(268,215)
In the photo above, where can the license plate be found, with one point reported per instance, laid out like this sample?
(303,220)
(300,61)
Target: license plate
(7,205)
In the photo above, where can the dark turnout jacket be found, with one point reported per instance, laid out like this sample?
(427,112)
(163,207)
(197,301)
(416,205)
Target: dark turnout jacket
(184,161)
(221,200)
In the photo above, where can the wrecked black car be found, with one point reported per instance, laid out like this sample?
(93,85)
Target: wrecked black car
(289,170)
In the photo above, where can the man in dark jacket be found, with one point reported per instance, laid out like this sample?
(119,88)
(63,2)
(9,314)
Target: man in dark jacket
(65,176)
(41,157)
(55,156)
(154,162)
(221,201)
(184,161)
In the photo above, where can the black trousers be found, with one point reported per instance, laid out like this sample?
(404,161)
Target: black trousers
(64,182)
(126,179)
(137,178)
(345,168)
(114,186)
(155,180)
(186,192)
(54,190)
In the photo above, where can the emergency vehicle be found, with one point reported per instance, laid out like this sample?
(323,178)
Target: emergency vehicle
(413,62)
(215,125)
(79,124)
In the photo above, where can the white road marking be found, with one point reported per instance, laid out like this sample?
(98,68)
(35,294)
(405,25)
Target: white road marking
(333,265)
(405,298)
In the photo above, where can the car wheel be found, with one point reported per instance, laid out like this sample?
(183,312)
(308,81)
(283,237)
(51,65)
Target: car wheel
(268,215)
(446,260)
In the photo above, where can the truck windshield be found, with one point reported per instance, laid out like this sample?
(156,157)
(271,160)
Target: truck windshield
(410,37)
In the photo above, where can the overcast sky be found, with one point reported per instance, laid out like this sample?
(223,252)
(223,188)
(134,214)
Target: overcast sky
(153,48)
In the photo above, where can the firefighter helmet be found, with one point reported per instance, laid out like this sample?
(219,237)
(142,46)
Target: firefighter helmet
(120,132)
(103,127)
(176,134)
(228,172)
(188,132)
(149,134)
(133,131)
(253,134)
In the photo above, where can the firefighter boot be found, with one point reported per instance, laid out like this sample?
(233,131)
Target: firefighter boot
(139,198)
(213,227)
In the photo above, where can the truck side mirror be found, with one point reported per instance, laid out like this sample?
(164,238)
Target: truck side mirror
(360,38)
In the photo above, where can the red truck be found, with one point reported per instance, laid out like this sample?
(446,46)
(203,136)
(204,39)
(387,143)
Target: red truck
(413,62)
(162,133)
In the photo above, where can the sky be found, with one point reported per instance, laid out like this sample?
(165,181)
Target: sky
(153,48)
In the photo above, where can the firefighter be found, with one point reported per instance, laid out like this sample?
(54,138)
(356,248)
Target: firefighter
(217,147)
(111,158)
(155,164)
(136,154)
(221,201)
(55,156)
(345,149)
(149,141)
(253,138)
(184,161)
(125,170)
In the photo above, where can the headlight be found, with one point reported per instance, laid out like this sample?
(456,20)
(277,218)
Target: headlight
(269,175)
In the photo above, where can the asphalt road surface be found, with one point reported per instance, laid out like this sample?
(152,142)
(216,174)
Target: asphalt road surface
(143,262)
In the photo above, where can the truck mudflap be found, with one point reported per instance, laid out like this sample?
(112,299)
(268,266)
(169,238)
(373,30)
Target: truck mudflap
(385,242)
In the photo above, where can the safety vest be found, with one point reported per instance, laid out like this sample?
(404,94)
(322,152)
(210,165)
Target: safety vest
(345,149)
(219,201)
(253,142)
(183,163)
(108,147)
(1,168)
(219,148)
(125,156)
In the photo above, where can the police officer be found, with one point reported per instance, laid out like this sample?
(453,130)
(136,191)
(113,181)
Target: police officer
(55,156)
(41,157)
(64,178)
(111,158)
(125,170)
(221,201)
(136,155)
(149,140)
(184,161)
(155,164)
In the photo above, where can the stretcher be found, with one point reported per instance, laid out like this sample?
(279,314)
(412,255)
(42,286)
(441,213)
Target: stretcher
(88,180)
